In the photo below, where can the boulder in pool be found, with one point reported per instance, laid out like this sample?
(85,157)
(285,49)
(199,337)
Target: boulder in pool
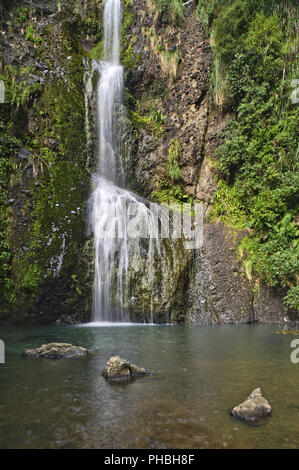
(56,351)
(255,408)
(117,369)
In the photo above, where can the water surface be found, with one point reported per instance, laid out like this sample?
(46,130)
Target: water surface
(199,374)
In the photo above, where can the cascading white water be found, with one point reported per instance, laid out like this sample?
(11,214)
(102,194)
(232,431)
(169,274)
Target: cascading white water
(110,202)
(109,115)
(112,29)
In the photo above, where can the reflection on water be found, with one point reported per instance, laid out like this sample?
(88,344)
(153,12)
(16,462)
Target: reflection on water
(199,374)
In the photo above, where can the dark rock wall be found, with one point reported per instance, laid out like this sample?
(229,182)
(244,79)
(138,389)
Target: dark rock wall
(42,54)
(173,71)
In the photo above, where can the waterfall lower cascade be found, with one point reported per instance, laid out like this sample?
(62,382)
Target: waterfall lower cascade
(110,203)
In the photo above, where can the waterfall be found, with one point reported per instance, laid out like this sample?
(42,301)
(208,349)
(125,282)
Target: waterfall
(110,203)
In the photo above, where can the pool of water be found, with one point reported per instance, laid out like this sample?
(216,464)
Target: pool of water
(198,374)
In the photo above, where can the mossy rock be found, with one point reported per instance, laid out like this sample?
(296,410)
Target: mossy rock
(255,408)
(117,369)
(56,351)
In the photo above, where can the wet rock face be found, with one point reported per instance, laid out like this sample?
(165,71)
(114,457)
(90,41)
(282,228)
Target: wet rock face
(255,408)
(158,284)
(56,351)
(57,258)
(218,290)
(117,369)
(177,81)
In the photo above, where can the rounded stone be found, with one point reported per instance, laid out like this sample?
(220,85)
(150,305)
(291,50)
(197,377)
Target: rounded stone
(117,368)
(255,408)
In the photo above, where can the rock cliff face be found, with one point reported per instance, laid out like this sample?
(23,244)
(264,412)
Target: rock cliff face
(171,138)
(172,76)
(50,253)
(169,71)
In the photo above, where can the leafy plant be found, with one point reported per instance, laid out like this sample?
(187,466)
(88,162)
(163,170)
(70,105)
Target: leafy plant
(8,146)
(21,13)
(31,34)
(154,122)
(17,90)
(173,168)
(170,11)
(168,193)
(292,298)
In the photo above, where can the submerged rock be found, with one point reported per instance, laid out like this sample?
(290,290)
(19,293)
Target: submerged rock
(56,351)
(117,368)
(287,332)
(254,408)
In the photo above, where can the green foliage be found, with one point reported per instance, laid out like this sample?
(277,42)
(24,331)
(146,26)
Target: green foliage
(205,12)
(170,11)
(127,16)
(276,258)
(261,160)
(96,52)
(8,146)
(251,40)
(89,22)
(17,91)
(55,138)
(292,298)
(129,59)
(64,114)
(21,13)
(173,167)
(167,193)
(31,34)
(228,207)
(228,29)
(264,42)
(153,123)
(56,223)
(127,56)
(256,53)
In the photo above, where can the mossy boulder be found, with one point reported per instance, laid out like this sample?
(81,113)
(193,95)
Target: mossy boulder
(255,408)
(56,351)
(117,369)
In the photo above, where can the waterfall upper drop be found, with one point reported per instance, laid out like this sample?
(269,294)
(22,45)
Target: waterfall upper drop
(112,29)
(110,97)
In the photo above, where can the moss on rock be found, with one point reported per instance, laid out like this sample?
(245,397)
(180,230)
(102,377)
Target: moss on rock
(117,369)
(56,351)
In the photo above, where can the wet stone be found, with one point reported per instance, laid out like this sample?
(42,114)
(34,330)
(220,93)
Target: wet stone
(118,369)
(255,408)
(56,351)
